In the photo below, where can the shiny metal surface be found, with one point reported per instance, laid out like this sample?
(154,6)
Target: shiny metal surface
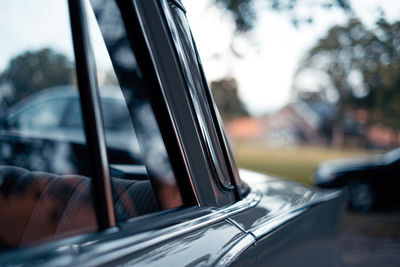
(173,86)
(273,203)
(195,86)
(237,250)
(203,247)
(280,200)
(293,225)
(105,250)
(311,239)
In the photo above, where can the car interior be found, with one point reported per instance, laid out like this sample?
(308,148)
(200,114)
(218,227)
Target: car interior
(43,206)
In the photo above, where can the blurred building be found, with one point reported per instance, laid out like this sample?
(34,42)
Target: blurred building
(311,123)
(295,124)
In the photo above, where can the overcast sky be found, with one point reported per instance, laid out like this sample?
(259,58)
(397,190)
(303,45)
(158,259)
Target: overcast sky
(273,51)
(31,25)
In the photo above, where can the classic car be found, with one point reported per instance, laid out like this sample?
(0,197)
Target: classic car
(185,203)
(372,180)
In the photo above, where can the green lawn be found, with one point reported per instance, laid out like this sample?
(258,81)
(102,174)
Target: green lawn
(295,163)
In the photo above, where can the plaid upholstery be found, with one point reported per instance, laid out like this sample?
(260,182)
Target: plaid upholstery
(39,206)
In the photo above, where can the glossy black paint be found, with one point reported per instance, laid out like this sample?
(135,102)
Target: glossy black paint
(293,225)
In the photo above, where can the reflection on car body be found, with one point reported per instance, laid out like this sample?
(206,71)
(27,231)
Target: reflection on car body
(372,180)
(185,202)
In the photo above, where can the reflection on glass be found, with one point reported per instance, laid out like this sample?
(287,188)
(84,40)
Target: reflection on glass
(44,184)
(150,178)
(199,98)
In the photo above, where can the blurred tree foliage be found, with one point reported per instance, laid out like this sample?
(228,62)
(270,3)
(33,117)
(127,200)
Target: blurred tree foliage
(357,68)
(32,71)
(244,12)
(225,92)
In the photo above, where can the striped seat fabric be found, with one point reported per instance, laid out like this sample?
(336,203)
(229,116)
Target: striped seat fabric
(38,206)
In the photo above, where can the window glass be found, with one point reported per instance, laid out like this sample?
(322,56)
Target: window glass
(44,173)
(45,115)
(147,184)
(73,119)
(115,115)
(201,99)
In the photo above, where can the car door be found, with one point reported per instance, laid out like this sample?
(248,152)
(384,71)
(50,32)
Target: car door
(186,203)
(169,214)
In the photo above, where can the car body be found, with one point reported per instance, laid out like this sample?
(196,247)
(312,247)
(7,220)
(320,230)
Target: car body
(373,180)
(203,211)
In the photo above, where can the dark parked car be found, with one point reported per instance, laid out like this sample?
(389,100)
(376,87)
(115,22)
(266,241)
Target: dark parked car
(65,202)
(372,180)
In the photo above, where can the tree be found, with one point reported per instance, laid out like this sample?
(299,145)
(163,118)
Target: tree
(356,68)
(244,12)
(32,71)
(225,92)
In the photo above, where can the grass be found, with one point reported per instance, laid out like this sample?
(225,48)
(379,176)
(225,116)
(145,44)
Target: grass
(296,163)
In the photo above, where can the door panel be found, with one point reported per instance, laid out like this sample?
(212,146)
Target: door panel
(308,240)
(201,247)
(293,225)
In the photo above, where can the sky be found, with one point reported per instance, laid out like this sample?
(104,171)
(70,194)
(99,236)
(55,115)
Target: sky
(34,29)
(43,27)
(271,53)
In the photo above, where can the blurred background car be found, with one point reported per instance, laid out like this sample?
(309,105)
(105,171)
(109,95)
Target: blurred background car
(372,180)
(52,118)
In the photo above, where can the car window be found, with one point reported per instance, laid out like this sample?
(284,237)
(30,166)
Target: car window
(147,184)
(115,115)
(45,115)
(200,98)
(73,118)
(45,180)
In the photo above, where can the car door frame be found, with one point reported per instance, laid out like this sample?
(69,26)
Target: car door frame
(203,205)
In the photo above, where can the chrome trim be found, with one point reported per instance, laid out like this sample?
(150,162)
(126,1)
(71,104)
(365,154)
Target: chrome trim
(201,119)
(237,249)
(105,250)
(178,4)
(99,253)
(135,243)
(274,223)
